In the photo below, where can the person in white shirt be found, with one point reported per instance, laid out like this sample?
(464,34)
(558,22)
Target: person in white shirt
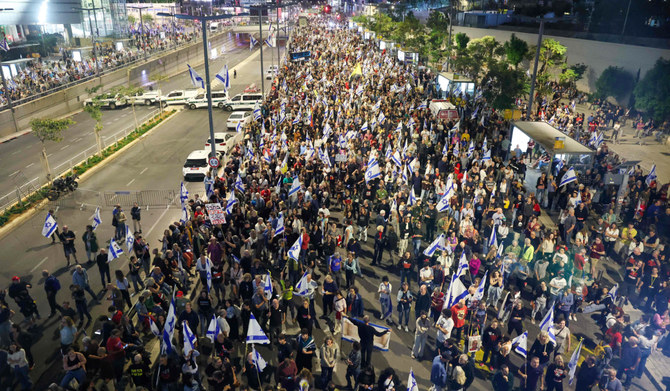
(556,285)
(16,359)
(384,290)
(426,275)
(444,325)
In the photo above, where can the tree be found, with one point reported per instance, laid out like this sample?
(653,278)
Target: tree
(572,74)
(132,20)
(652,93)
(147,18)
(552,55)
(49,130)
(461,40)
(437,21)
(614,81)
(503,84)
(96,114)
(130,92)
(516,50)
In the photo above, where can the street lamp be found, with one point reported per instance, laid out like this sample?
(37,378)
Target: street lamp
(90,24)
(203,22)
(141,27)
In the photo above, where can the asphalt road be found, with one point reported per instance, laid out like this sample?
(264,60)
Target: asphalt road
(19,158)
(154,163)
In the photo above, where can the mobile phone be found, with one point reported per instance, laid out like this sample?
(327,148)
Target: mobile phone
(125,346)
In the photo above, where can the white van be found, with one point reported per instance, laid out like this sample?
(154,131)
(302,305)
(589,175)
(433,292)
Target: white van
(178,97)
(219,98)
(196,165)
(243,101)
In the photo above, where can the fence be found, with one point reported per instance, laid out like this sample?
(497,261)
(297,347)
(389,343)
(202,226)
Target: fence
(24,187)
(144,198)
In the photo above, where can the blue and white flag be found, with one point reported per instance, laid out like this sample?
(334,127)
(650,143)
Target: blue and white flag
(474,114)
(487,156)
(208,271)
(493,238)
(295,187)
(183,194)
(396,158)
(97,220)
(252,42)
(257,112)
(613,292)
(572,364)
(373,171)
(209,186)
(255,333)
(280,225)
(302,287)
(652,175)
(389,152)
(213,329)
(364,128)
(4,45)
(239,185)
(569,176)
(411,200)
(130,239)
(423,105)
(294,251)
(411,382)
(154,328)
(267,286)
(445,201)
(548,325)
(359,90)
(381,117)
(238,127)
(438,244)
(196,80)
(114,251)
(398,127)
(479,293)
(166,342)
(455,151)
(631,171)
(456,127)
(521,342)
(189,338)
(269,41)
(50,226)
(484,144)
(224,77)
(257,360)
(462,265)
(456,292)
(471,149)
(232,200)
(171,318)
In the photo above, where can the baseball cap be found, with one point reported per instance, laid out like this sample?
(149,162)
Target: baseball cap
(16,278)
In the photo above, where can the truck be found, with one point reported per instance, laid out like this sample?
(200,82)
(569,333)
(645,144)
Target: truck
(108,100)
(443,110)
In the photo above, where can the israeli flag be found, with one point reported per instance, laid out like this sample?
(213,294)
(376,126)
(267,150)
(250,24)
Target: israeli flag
(302,287)
(389,152)
(521,342)
(456,127)
(166,343)
(377,106)
(559,165)
(471,149)
(209,186)
(398,127)
(411,200)
(238,127)
(364,128)
(280,225)
(411,382)
(255,333)
(631,171)
(411,122)
(183,194)
(394,205)
(232,200)
(462,265)
(613,292)
(569,176)
(474,114)
(50,226)
(224,77)
(487,156)
(114,251)
(189,338)
(268,41)
(484,145)
(500,251)
(479,293)
(445,149)
(130,240)
(208,270)
(267,286)
(573,105)
(239,185)
(493,239)
(171,318)
(213,329)
(294,251)
(423,105)
(652,175)
(257,360)
(257,112)
(252,42)
(4,46)
(295,187)
(548,325)
(396,158)
(359,90)
(455,151)
(154,328)
(196,80)
(404,174)
(373,171)
(97,220)
(381,117)
(456,292)
(572,365)
(438,244)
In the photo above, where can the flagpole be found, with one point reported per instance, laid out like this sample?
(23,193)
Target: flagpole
(258,368)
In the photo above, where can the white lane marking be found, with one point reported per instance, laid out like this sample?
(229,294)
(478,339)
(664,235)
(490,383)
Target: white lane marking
(124,114)
(49,155)
(77,139)
(15,172)
(39,264)
(30,164)
(143,171)
(156,223)
(116,119)
(66,146)
(108,123)
(15,152)
(129,183)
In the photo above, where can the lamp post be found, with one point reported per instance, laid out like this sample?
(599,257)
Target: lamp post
(90,24)
(141,28)
(203,22)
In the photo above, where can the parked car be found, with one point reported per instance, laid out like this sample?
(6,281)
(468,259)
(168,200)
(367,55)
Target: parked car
(108,100)
(178,97)
(147,98)
(236,117)
(222,141)
(219,99)
(196,165)
(243,102)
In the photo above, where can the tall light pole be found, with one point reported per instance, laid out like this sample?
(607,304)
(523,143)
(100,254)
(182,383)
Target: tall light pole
(90,24)
(203,22)
(141,28)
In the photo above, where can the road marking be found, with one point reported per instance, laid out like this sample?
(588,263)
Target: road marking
(129,183)
(30,164)
(116,119)
(156,223)
(15,172)
(67,146)
(108,123)
(123,115)
(143,171)
(77,139)
(49,155)
(39,264)
(15,152)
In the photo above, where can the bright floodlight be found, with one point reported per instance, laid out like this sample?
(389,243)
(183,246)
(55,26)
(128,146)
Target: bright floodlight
(42,15)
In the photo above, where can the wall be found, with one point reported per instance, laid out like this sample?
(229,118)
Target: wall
(67,101)
(597,55)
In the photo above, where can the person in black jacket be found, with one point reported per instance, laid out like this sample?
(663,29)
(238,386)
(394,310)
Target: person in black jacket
(490,341)
(366,379)
(366,333)
(166,375)
(587,376)
(51,287)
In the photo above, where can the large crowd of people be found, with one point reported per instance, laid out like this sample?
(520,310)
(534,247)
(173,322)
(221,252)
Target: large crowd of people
(346,183)
(44,75)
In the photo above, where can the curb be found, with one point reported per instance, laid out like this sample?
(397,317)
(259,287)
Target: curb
(9,227)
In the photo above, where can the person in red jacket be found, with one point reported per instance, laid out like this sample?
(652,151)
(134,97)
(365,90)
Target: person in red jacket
(458,313)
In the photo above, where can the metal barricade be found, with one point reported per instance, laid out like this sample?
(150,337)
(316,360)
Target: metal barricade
(144,198)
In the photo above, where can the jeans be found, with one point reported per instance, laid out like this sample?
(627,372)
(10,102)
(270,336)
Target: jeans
(644,354)
(417,246)
(419,345)
(386,308)
(78,374)
(352,372)
(82,310)
(406,275)
(403,314)
(326,376)
(494,295)
(136,280)
(120,231)
(105,272)
(22,374)
(539,195)
(539,308)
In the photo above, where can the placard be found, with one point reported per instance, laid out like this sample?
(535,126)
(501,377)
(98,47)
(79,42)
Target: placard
(350,333)
(216,213)
(474,343)
(341,157)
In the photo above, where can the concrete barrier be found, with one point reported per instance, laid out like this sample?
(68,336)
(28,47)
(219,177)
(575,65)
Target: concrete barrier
(67,101)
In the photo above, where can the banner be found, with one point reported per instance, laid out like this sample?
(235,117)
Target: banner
(216,213)
(350,333)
